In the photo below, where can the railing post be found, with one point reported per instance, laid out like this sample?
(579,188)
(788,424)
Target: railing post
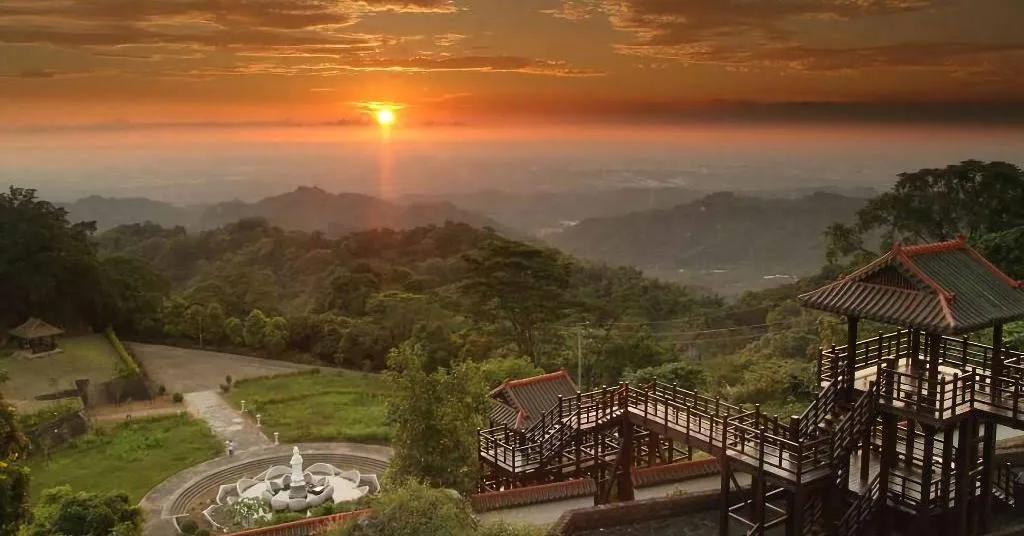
(1016,399)
(880,352)
(963,351)
(794,427)
(942,400)
(956,387)
(560,408)
(833,363)
(817,371)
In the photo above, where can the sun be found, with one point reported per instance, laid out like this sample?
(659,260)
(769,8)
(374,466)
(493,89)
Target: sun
(385,117)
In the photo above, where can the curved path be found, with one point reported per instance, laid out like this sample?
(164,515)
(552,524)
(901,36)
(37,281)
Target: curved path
(170,497)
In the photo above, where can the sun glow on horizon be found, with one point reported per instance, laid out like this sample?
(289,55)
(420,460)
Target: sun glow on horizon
(385,117)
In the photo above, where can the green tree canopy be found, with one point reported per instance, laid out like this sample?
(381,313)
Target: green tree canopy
(62,511)
(524,285)
(973,197)
(435,417)
(47,266)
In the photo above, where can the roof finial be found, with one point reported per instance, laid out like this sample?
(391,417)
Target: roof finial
(961,238)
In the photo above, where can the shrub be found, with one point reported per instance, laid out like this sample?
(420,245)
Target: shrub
(225,387)
(162,390)
(126,358)
(188,527)
(178,398)
(413,510)
(227,379)
(314,370)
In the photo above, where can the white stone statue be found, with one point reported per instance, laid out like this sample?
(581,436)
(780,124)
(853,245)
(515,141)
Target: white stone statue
(297,487)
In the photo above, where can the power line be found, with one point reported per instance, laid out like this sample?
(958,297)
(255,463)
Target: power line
(688,318)
(716,330)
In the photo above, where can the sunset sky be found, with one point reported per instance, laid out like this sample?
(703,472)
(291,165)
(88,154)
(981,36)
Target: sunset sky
(470,61)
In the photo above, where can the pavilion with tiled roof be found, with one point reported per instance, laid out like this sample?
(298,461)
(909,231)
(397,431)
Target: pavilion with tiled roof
(519,403)
(945,391)
(943,288)
(36,335)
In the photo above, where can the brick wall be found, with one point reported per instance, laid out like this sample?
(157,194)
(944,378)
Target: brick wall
(628,513)
(304,527)
(643,477)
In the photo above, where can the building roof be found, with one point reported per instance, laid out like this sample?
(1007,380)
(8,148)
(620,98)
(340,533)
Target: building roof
(945,288)
(519,403)
(34,328)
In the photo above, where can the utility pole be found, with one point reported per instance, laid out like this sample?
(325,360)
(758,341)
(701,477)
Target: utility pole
(579,355)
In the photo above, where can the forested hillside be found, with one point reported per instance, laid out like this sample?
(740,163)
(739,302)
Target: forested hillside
(726,241)
(304,209)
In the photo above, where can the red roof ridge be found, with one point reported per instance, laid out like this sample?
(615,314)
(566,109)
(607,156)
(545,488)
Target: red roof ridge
(934,247)
(535,379)
(947,313)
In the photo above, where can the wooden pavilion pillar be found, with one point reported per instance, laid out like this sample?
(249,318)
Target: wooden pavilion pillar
(934,356)
(795,512)
(915,349)
(886,464)
(624,486)
(851,357)
(988,452)
(923,524)
(997,358)
(964,479)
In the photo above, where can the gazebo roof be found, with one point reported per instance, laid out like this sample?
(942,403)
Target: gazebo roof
(34,328)
(945,288)
(520,402)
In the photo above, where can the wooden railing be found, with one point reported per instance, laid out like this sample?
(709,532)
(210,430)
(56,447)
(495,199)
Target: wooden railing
(862,512)
(1006,485)
(867,353)
(813,418)
(855,427)
(960,353)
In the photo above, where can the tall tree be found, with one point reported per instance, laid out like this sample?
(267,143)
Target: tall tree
(47,265)
(14,476)
(973,197)
(435,418)
(522,284)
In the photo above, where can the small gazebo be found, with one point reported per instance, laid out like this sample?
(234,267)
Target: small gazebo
(36,335)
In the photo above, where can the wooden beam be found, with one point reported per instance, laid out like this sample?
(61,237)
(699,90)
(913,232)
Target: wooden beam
(997,357)
(988,453)
(795,516)
(926,471)
(886,465)
(915,349)
(963,477)
(851,356)
(625,476)
(933,369)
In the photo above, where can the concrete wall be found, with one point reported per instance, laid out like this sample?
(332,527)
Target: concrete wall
(60,430)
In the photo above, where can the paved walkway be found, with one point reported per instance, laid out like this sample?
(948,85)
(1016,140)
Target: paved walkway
(157,502)
(547,513)
(185,370)
(225,421)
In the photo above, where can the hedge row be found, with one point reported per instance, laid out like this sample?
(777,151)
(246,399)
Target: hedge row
(126,357)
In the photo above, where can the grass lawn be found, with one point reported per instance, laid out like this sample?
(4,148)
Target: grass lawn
(317,407)
(88,356)
(126,457)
